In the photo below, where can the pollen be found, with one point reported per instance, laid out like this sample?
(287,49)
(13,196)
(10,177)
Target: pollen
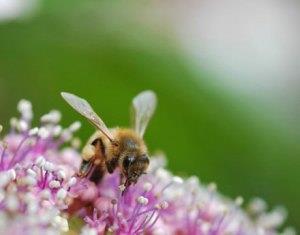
(122,187)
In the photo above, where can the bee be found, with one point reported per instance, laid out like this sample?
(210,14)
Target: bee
(123,148)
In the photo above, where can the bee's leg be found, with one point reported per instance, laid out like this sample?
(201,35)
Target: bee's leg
(88,157)
(111,165)
(98,168)
(122,179)
(97,174)
(85,167)
(124,182)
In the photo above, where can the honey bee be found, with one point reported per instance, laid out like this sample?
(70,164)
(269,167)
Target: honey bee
(107,148)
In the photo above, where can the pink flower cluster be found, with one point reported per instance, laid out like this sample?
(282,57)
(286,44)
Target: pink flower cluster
(39,193)
(35,174)
(161,203)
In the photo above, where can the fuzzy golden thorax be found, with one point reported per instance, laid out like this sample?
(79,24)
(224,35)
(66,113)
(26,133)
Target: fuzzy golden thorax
(127,141)
(131,151)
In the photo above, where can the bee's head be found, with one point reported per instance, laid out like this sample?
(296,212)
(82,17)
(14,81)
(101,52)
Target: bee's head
(134,166)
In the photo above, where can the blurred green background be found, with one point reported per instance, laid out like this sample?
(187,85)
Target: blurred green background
(107,52)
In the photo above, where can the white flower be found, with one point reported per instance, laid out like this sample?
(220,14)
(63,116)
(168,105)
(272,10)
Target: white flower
(33,131)
(61,194)
(54,184)
(88,231)
(60,223)
(72,182)
(75,126)
(43,133)
(53,116)
(40,161)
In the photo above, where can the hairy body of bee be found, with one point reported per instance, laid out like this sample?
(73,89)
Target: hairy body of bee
(93,158)
(90,149)
(100,155)
(108,149)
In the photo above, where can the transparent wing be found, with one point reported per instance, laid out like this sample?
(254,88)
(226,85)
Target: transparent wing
(85,109)
(143,106)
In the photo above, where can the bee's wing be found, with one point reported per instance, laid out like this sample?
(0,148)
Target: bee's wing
(85,109)
(143,106)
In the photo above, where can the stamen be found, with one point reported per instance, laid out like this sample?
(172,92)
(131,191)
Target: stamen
(61,194)
(239,201)
(40,161)
(54,184)
(141,225)
(48,166)
(154,221)
(257,206)
(139,202)
(66,135)
(122,187)
(61,223)
(22,126)
(217,226)
(12,161)
(4,145)
(46,194)
(57,131)
(53,116)
(31,172)
(142,200)
(177,180)
(75,143)
(146,211)
(147,186)
(29,180)
(11,174)
(163,205)
(212,187)
(61,175)
(45,178)
(75,126)
(43,133)
(72,182)
(25,108)
(13,122)
(33,131)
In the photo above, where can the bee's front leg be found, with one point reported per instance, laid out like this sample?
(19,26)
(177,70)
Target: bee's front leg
(111,164)
(93,163)
(88,158)
(97,172)
(85,168)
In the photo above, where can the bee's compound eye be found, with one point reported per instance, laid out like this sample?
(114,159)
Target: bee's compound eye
(127,161)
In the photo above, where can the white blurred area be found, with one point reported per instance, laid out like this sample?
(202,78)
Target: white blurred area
(14,9)
(251,48)
(255,44)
